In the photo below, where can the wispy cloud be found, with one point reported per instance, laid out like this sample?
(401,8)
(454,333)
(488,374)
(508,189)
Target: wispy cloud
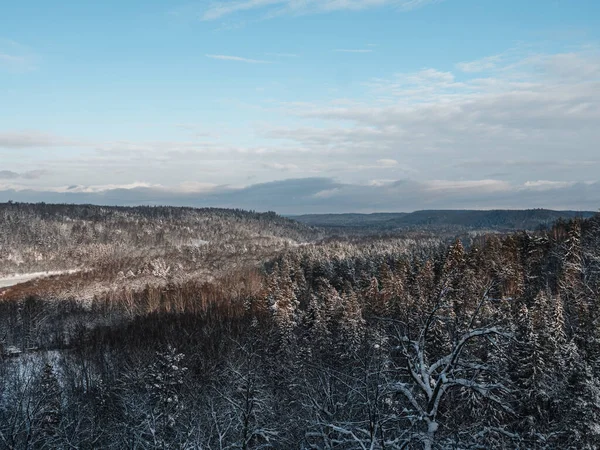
(15,56)
(283,55)
(273,8)
(480,65)
(280,166)
(237,58)
(353,50)
(221,9)
(387,162)
(7,59)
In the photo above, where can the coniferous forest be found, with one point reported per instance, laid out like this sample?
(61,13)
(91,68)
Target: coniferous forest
(178,328)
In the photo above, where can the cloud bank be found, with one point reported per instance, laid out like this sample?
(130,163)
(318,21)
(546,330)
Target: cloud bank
(30,175)
(325,195)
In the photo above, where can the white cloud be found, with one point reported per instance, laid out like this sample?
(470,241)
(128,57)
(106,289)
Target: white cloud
(466,185)
(380,183)
(237,58)
(548,185)
(529,115)
(280,166)
(387,162)
(195,187)
(188,187)
(328,193)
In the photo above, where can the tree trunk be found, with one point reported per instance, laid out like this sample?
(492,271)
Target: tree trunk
(432,427)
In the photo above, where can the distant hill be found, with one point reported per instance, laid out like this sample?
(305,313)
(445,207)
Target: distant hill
(56,237)
(508,220)
(348,220)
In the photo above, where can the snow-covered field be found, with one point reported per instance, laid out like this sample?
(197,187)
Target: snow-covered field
(24,277)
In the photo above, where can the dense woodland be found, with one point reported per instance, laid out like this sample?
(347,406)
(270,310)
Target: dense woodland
(366,343)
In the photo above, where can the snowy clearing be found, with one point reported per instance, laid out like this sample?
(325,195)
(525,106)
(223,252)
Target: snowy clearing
(24,277)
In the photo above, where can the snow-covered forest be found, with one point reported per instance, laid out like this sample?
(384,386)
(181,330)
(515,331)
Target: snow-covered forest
(114,248)
(223,329)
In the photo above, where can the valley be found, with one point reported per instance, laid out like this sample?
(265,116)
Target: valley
(159,327)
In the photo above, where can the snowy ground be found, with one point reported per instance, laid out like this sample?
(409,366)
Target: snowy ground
(24,277)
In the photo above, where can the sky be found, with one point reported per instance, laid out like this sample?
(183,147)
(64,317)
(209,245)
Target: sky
(302,106)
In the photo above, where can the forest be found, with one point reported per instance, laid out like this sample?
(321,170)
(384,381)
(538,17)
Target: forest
(180,328)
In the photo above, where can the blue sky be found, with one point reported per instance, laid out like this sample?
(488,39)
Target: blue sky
(302,105)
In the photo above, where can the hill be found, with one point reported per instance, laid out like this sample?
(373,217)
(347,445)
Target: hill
(135,246)
(503,220)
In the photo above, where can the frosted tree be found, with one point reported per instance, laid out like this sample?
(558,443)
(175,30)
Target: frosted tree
(530,372)
(245,416)
(282,302)
(50,411)
(349,408)
(164,381)
(424,379)
(352,322)
(580,402)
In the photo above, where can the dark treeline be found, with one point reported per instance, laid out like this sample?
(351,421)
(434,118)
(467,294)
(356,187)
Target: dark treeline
(384,344)
(443,220)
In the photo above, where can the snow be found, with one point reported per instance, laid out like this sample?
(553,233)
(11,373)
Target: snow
(432,427)
(198,242)
(24,277)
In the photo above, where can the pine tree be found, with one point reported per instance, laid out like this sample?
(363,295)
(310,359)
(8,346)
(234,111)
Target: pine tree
(351,321)
(580,403)
(164,381)
(529,373)
(48,414)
